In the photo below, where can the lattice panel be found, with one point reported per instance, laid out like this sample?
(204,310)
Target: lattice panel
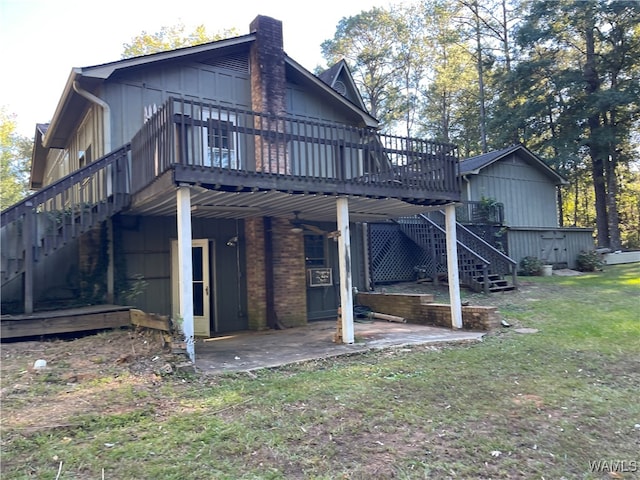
(393,256)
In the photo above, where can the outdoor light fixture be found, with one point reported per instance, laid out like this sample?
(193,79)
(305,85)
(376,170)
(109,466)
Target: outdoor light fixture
(296,226)
(232,242)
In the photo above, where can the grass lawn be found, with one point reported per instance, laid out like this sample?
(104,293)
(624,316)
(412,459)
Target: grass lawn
(563,402)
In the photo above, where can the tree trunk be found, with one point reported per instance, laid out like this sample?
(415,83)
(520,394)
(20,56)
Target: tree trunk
(483,115)
(592,85)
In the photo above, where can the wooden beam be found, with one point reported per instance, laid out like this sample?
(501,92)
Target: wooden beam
(150,320)
(63,321)
(111,262)
(28,236)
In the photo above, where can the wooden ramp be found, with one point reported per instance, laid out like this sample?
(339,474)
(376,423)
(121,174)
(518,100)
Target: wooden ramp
(95,317)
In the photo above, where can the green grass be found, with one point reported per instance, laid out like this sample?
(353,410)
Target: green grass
(548,402)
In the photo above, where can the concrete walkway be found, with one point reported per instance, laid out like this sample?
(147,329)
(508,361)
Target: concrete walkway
(246,351)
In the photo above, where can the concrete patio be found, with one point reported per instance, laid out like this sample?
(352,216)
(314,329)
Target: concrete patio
(246,351)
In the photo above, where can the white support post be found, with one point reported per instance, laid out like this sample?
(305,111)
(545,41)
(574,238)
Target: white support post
(344,254)
(452,266)
(185,268)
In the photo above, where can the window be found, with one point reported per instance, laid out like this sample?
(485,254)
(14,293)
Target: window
(220,140)
(84,157)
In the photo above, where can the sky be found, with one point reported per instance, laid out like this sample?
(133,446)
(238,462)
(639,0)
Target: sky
(42,40)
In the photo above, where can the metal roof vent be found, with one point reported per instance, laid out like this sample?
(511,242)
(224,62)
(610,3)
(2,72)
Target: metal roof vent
(340,88)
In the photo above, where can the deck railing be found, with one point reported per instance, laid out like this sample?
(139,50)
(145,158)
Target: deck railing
(224,147)
(482,212)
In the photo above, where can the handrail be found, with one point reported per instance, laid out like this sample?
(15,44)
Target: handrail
(462,251)
(509,266)
(487,244)
(474,254)
(13,212)
(480,212)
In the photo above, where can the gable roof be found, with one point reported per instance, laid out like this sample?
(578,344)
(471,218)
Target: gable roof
(92,76)
(340,73)
(473,165)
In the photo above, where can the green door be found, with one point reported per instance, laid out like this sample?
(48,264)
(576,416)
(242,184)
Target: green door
(321,259)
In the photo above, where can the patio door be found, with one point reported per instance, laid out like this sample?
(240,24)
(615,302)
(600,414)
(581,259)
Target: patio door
(200,281)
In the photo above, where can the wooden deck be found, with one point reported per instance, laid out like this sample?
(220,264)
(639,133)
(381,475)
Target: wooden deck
(96,317)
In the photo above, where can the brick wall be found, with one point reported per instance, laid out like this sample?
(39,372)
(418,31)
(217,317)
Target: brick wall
(290,289)
(419,309)
(407,306)
(473,318)
(256,294)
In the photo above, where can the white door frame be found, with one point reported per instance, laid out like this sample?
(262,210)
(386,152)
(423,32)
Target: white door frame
(201,322)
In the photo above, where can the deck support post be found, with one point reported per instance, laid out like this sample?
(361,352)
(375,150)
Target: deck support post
(28,235)
(344,255)
(185,268)
(452,266)
(111,264)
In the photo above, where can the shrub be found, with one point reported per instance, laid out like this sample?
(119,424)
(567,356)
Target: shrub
(589,261)
(531,266)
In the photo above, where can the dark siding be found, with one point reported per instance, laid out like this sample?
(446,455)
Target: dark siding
(129,94)
(528,195)
(143,246)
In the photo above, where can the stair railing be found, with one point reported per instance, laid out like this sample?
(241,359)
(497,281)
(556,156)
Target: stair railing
(62,211)
(433,239)
(501,264)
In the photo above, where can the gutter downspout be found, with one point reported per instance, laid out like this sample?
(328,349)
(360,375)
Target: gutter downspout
(106,113)
(106,144)
(468,182)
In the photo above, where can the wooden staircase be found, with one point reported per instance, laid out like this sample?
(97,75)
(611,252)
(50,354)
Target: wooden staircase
(482,268)
(51,218)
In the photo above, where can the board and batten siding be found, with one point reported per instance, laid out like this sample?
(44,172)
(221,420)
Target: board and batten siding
(145,249)
(224,81)
(301,104)
(528,195)
(554,246)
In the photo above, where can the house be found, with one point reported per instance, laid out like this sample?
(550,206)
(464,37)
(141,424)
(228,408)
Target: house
(222,184)
(510,197)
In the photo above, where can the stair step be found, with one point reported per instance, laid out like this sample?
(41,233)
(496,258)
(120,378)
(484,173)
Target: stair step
(505,288)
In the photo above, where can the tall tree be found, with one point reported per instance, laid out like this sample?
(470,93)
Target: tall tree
(171,37)
(476,23)
(15,161)
(593,48)
(449,111)
(367,42)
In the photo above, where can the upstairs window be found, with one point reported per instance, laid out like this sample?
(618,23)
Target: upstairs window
(220,140)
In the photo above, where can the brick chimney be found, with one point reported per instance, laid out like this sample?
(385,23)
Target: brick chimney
(266,61)
(286,283)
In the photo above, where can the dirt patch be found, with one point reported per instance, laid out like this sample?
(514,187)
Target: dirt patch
(79,377)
